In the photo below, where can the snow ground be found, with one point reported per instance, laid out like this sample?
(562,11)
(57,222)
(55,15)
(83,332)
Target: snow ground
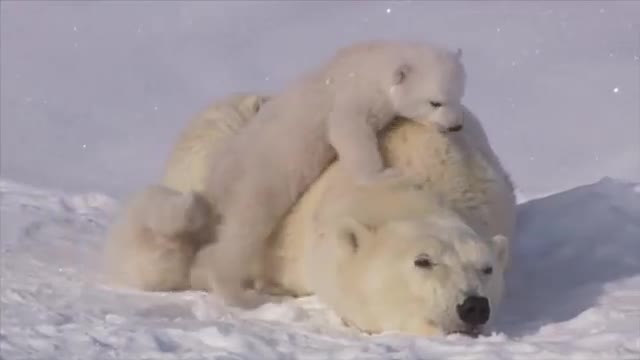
(573,293)
(81,82)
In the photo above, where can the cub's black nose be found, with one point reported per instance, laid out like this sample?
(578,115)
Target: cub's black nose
(474,310)
(454,128)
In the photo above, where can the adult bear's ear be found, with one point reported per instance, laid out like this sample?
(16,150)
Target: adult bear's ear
(501,246)
(351,235)
(401,73)
(262,99)
(253,103)
(459,54)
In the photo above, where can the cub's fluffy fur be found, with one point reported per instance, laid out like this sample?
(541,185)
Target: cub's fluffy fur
(336,110)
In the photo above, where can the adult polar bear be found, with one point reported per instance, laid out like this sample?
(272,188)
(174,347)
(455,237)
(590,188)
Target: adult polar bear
(461,169)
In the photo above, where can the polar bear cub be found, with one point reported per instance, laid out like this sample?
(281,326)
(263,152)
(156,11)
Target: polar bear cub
(336,110)
(153,242)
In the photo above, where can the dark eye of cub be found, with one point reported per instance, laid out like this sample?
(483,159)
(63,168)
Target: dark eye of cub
(435,104)
(487,270)
(423,261)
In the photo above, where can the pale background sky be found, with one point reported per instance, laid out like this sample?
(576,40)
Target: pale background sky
(94,94)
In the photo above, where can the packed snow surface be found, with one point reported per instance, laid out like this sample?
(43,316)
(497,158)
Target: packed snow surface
(93,94)
(573,293)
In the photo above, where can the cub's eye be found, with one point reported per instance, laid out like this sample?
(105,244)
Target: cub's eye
(423,261)
(487,270)
(435,104)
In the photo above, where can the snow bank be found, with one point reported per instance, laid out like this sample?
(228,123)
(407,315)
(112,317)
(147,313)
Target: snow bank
(573,293)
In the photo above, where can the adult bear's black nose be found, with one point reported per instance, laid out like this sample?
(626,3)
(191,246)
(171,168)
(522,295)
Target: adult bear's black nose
(474,310)
(454,128)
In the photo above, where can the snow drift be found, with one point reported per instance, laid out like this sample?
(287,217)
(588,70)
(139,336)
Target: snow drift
(573,292)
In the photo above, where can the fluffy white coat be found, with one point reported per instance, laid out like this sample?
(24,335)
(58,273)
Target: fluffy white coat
(456,209)
(338,109)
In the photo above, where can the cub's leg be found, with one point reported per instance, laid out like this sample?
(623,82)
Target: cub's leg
(356,143)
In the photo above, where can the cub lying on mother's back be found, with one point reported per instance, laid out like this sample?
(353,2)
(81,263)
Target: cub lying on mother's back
(336,110)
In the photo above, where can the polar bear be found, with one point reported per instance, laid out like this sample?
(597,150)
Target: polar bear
(468,204)
(352,245)
(412,265)
(336,110)
(386,257)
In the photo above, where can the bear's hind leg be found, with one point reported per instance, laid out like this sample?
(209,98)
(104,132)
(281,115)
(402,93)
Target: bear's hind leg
(172,215)
(152,245)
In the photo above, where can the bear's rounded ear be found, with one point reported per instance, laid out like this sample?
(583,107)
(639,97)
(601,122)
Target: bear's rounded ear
(253,103)
(400,74)
(459,54)
(351,235)
(501,245)
(262,99)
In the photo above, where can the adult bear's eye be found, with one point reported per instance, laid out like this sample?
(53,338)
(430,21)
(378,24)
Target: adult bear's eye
(488,270)
(423,261)
(435,104)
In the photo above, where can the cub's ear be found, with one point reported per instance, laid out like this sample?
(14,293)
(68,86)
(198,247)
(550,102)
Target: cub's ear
(501,245)
(351,235)
(400,74)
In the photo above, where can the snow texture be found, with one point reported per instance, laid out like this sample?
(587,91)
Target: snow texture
(573,293)
(93,94)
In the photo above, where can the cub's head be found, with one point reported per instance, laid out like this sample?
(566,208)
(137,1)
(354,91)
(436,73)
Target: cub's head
(428,84)
(424,273)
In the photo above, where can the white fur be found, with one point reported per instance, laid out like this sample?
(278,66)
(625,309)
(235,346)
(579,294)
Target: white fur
(190,157)
(152,244)
(472,209)
(338,109)
(468,200)
(366,254)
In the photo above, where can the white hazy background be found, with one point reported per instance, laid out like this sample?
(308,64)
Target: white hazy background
(93,94)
